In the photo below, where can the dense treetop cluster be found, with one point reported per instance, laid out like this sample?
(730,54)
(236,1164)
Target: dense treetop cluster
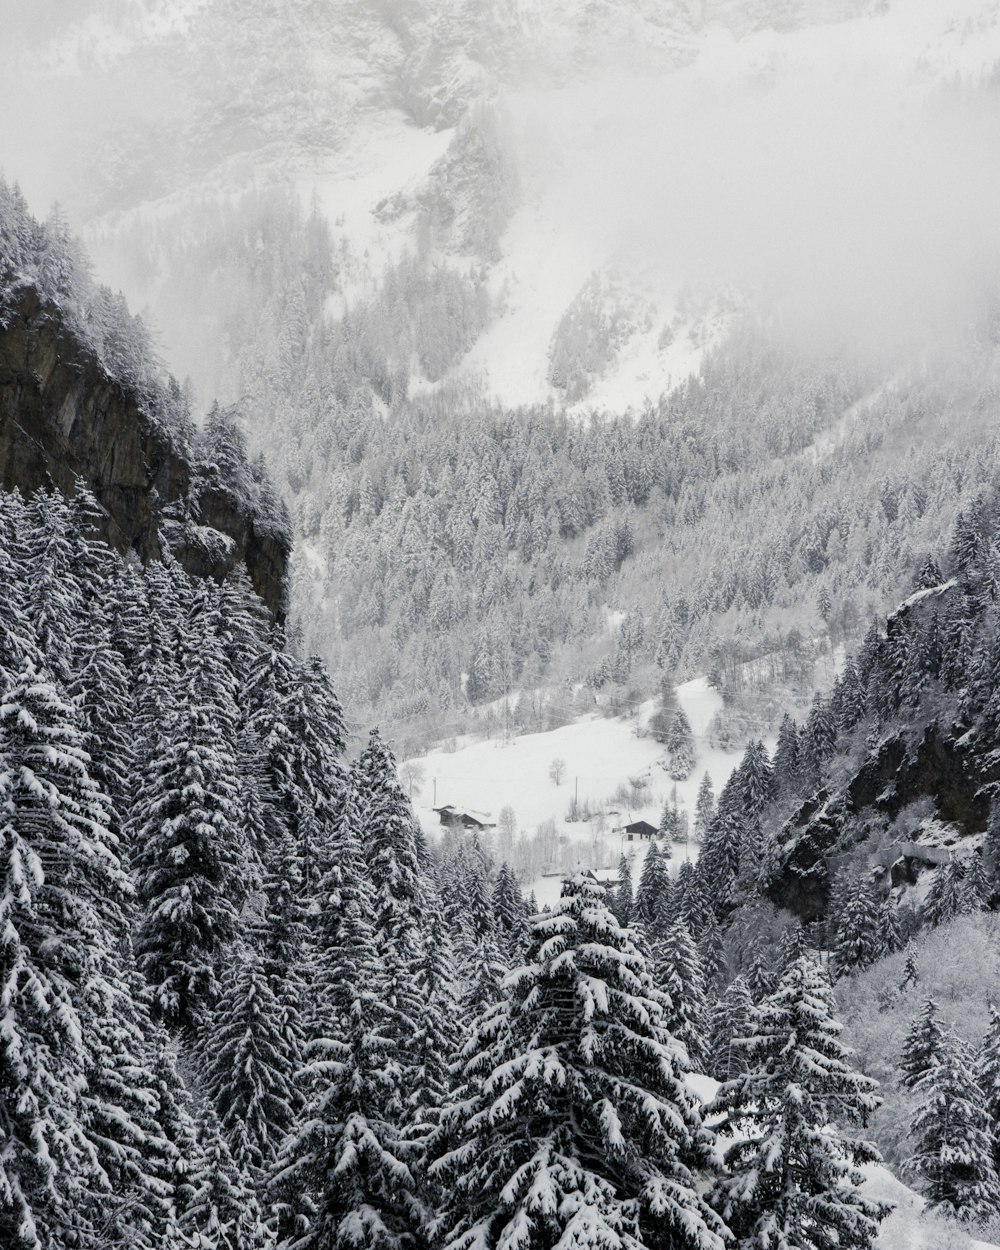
(245,1006)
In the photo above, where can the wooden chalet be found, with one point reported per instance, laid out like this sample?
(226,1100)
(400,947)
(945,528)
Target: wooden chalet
(453,817)
(640,830)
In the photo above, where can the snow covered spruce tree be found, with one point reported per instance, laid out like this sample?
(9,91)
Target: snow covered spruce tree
(222,1213)
(573,1124)
(60,887)
(621,899)
(954,1155)
(389,841)
(988,1076)
(859,938)
(792,1182)
(297,734)
(921,1045)
(653,896)
(343,1178)
(247,1064)
(392,845)
(728,1024)
(679,975)
(191,854)
(509,913)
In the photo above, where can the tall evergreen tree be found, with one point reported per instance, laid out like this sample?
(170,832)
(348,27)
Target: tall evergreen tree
(921,1045)
(954,1154)
(911,971)
(976,887)
(621,900)
(760,977)
(729,1024)
(719,858)
(438,1022)
(509,912)
(946,897)
(343,1176)
(988,1077)
(57,872)
(653,894)
(704,808)
(222,1213)
(712,956)
(389,839)
(890,933)
(819,738)
(859,940)
(691,902)
(787,757)
(680,746)
(755,779)
(574,1125)
(191,854)
(792,1179)
(247,1068)
(680,976)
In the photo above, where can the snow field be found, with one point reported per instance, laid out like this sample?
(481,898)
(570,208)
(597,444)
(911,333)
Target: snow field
(600,754)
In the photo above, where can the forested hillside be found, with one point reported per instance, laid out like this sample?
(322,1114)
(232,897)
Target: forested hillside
(871,837)
(453,552)
(245,1006)
(391,236)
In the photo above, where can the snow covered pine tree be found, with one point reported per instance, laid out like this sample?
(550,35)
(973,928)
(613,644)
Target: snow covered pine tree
(574,1125)
(792,1184)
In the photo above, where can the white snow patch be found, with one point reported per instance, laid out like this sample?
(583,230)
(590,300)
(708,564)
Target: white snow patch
(389,156)
(926,593)
(600,754)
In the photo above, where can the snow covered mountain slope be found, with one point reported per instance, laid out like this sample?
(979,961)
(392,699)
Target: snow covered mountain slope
(612,766)
(364,220)
(611,172)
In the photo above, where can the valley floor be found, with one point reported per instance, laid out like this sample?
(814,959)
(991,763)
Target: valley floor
(601,756)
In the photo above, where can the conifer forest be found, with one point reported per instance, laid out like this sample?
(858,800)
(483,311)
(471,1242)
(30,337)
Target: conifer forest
(500,625)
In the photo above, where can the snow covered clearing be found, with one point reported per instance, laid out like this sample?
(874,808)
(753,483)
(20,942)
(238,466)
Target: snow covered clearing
(602,756)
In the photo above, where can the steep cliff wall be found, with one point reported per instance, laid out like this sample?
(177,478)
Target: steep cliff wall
(62,417)
(918,775)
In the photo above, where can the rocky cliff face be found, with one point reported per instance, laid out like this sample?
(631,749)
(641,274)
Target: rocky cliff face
(62,418)
(925,787)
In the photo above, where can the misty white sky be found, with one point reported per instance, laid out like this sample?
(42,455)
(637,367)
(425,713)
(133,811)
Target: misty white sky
(862,205)
(850,170)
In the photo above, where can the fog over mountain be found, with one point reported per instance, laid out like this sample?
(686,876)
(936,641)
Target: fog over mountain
(499,625)
(831,164)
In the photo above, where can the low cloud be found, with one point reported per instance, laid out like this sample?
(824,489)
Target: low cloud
(855,205)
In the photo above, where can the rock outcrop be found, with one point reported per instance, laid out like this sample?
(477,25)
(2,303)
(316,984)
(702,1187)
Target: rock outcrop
(927,763)
(64,419)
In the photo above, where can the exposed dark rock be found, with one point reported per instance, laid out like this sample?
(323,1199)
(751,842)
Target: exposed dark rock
(62,418)
(938,765)
(875,781)
(800,876)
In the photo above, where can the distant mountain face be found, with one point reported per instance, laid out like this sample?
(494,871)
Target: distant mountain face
(613,178)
